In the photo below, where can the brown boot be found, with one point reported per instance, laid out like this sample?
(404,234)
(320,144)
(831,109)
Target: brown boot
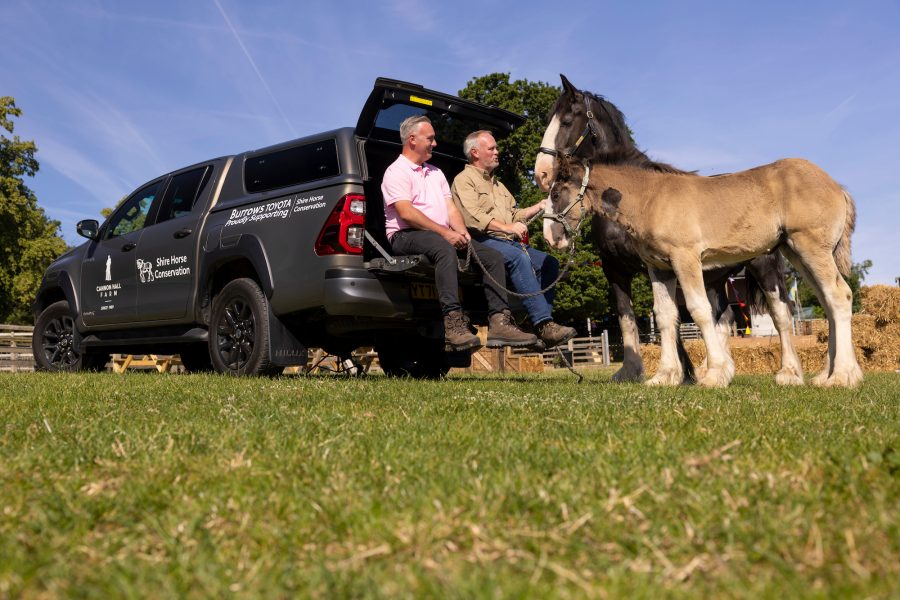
(503,332)
(457,334)
(552,333)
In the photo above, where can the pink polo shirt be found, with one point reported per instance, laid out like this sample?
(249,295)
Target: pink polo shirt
(425,186)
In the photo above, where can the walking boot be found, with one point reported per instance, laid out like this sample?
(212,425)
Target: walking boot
(502,331)
(457,334)
(553,334)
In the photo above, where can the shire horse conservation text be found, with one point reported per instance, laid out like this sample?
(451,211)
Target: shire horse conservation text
(680,224)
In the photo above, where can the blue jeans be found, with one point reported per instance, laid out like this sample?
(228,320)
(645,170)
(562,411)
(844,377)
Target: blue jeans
(529,270)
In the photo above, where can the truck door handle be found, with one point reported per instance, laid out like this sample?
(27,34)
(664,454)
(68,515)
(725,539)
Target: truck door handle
(181,233)
(129,247)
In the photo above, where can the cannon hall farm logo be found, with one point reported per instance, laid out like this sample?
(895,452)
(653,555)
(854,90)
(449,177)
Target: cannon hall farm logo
(163,268)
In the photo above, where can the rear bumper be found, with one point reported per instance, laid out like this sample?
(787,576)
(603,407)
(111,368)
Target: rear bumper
(359,293)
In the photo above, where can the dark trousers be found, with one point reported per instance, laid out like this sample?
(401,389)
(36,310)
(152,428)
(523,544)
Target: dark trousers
(444,256)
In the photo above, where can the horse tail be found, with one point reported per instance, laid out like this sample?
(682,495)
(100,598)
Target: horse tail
(842,249)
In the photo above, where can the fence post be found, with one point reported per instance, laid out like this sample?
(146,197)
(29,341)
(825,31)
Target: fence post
(605,342)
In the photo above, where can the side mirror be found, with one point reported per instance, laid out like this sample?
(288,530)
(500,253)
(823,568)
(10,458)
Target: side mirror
(88,228)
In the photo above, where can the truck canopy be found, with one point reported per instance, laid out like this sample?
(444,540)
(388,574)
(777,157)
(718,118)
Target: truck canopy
(453,118)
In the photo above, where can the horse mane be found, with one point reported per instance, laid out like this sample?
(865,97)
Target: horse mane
(623,151)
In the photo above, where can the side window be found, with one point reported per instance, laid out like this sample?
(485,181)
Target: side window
(291,166)
(182,193)
(133,212)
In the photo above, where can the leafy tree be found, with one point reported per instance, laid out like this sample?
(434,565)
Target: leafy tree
(585,292)
(29,241)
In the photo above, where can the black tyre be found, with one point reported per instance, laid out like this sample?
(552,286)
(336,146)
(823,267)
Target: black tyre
(195,358)
(416,357)
(53,343)
(239,330)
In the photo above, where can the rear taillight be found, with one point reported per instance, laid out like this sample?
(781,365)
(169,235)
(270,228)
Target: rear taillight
(344,231)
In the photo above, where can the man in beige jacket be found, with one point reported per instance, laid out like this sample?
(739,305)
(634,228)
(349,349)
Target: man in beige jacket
(492,215)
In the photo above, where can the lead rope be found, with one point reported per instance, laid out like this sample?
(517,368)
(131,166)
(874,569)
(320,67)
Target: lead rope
(470,253)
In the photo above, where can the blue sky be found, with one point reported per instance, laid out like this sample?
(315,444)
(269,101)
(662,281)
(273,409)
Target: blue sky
(116,93)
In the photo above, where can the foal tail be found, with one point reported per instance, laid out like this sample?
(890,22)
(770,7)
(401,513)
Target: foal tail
(842,250)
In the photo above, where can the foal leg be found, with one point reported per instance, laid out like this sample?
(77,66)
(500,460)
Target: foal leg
(720,366)
(670,370)
(632,365)
(837,300)
(723,317)
(766,271)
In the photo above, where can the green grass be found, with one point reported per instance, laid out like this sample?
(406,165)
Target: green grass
(149,485)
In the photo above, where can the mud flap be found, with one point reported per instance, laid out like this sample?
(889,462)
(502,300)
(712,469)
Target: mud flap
(285,350)
(460,359)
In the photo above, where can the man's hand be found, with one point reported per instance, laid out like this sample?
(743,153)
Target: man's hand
(455,239)
(518,230)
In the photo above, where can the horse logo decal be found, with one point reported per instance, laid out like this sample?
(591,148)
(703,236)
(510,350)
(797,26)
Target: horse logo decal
(108,268)
(145,270)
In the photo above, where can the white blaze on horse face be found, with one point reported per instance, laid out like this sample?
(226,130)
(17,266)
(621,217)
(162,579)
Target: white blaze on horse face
(544,164)
(555,235)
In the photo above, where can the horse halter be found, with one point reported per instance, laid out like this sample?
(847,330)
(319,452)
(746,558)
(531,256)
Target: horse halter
(560,217)
(590,127)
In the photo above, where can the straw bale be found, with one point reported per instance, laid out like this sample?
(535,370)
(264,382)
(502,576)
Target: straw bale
(882,302)
(877,349)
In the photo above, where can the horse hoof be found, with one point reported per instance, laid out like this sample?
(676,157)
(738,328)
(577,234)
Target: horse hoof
(666,378)
(788,377)
(715,378)
(625,375)
(845,379)
(820,379)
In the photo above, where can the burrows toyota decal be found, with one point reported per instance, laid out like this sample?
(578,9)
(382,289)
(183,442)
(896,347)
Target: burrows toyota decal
(277,209)
(166,266)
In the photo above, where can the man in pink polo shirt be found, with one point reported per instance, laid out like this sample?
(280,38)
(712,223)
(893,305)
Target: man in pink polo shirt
(421,218)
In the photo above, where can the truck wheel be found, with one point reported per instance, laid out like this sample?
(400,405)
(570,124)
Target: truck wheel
(52,343)
(239,330)
(416,357)
(195,358)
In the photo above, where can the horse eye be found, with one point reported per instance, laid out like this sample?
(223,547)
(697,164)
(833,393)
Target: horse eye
(567,121)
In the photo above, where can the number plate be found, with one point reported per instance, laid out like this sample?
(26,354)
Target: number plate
(423,291)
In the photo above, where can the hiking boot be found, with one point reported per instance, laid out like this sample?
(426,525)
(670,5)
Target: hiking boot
(502,331)
(553,334)
(457,334)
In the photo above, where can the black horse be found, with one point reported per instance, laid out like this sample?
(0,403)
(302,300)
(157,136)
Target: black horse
(591,128)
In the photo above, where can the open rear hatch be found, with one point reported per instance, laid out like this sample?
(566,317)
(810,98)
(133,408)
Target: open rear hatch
(378,130)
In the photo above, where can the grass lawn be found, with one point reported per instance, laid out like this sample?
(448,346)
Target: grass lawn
(148,485)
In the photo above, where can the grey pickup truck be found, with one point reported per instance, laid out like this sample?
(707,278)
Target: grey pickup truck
(241,263)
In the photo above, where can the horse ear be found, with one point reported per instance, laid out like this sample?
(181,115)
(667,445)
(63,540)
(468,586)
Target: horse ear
(568,88)
(563,167)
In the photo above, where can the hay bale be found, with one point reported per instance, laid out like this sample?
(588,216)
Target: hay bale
(531,364)
(877,349)
(882,302)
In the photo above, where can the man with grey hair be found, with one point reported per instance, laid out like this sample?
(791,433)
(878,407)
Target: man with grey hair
(421,218)
(491,212)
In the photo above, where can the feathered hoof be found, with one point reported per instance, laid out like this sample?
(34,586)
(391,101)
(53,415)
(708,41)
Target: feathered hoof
(716,378)
(700,371)
(820,378)
(628,374)
(668,377)
(788,377)
(849,378)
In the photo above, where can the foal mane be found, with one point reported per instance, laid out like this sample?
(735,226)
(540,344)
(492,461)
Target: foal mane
(620,149)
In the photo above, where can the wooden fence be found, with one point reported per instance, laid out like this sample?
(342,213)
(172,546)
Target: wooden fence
(15,348)
(581,352)
(15,355)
